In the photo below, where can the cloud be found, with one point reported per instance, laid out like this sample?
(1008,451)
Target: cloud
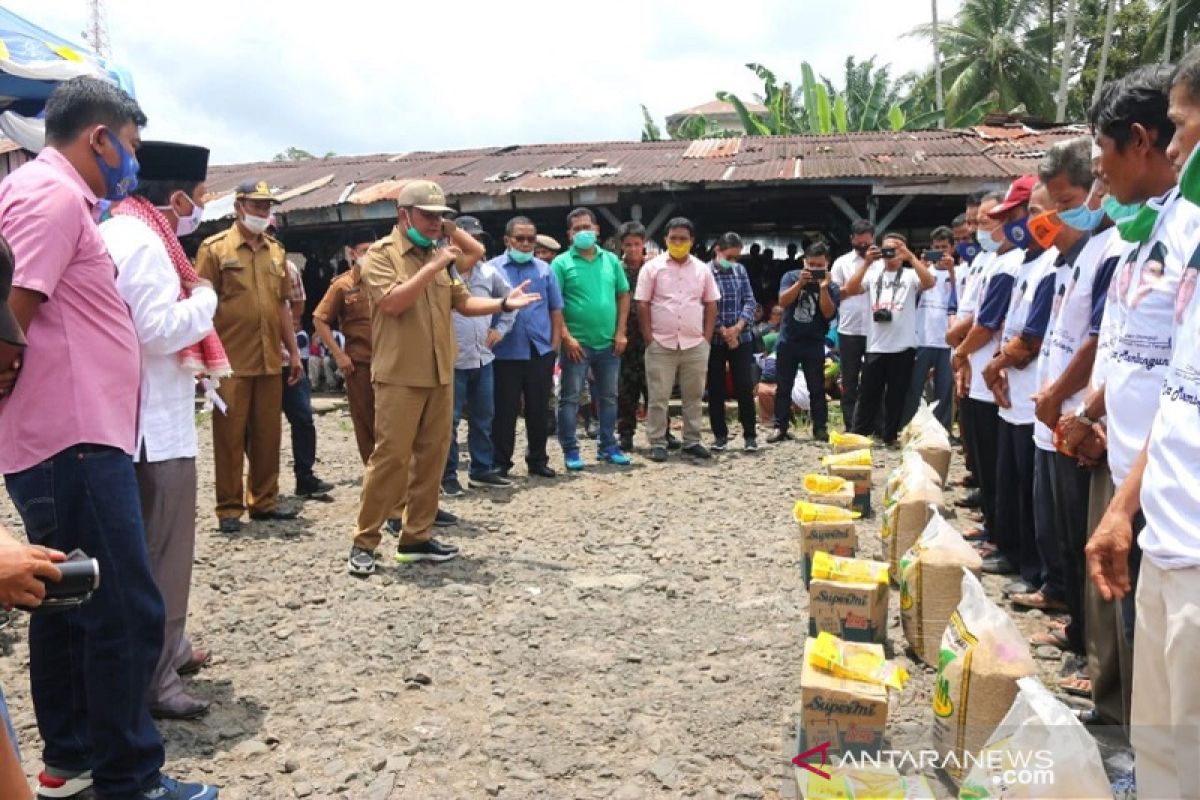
(354,76)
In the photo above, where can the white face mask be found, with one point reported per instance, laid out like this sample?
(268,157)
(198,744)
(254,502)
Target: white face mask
(256,225)
(188,224)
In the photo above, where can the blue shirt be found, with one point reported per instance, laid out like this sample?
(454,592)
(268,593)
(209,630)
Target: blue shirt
(483,280)
(531,329)
(737,299)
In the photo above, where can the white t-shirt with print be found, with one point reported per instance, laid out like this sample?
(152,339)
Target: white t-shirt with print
(897,292)
(933,311)
(1147,282)
(968,284)
(1170,502)
(1022,383)
(854,313)
(1007,264)
(1041,434)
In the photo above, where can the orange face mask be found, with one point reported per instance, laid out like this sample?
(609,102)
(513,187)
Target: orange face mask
(1044,228)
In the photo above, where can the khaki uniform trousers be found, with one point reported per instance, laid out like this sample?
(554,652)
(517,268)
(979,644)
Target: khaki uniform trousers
(1109,655)
(412,441)
(250,428)
(663,367)
(361,395)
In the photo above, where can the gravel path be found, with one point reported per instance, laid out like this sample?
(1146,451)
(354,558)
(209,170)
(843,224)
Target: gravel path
(626,633)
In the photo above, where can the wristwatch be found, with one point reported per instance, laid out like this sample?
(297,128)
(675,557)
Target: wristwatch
(504,309)
(1081,415)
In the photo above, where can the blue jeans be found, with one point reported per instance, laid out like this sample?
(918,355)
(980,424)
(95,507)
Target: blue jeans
(297,407)
(90,668)
(475,389)
(938,360)
(605,366)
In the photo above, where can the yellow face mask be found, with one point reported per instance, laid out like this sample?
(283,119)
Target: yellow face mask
(679,252)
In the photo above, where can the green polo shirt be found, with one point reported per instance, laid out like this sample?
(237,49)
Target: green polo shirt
(589,290)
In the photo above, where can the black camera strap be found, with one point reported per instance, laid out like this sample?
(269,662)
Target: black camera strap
(895,287)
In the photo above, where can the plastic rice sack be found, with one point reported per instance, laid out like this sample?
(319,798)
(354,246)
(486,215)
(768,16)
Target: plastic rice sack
(983,655)
(930,578)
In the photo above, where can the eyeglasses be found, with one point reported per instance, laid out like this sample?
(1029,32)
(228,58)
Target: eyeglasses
(524,239)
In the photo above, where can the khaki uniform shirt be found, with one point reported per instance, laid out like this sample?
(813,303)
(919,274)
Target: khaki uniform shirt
(416,348)
(346,304)
(250,284)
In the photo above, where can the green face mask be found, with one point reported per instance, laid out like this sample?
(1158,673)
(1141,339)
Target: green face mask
(725,264)
(1139,227)
(418,238)
(519,256)
(1189,178)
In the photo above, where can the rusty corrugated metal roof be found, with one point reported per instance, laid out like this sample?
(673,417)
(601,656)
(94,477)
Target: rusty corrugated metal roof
(499,171)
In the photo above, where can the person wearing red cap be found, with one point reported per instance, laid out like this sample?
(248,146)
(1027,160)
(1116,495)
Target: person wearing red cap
(1002,232)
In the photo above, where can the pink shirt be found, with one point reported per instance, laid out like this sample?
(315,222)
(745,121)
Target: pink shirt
(81,372)
(677,294)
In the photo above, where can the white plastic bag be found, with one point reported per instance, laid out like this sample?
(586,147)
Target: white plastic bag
(1040,751)
(800,397)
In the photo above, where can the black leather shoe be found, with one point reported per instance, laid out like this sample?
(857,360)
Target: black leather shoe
(658,454)
(778,436)
(273,516)
(543,471)
(230,525)
(184,708)
(312,485)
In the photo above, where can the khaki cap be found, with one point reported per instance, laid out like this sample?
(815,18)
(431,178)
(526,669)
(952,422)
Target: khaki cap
(255,190)
(425,195)
(548,242)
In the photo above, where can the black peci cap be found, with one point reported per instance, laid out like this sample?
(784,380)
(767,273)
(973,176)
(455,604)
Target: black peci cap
(171,161)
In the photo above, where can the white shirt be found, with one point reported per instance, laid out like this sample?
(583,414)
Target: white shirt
(1072,320)
(1147,283)
(1042,436)
(165,325)
(933,311)
(1170,502)
(854,313)
(1032,300)
(1006,264)
(969,284)
(897,292)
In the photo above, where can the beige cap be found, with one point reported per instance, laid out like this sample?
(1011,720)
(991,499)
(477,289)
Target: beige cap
(548,242)
(425,195)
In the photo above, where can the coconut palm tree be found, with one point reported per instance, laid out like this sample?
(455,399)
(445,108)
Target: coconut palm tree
(1105,45)
(984,51)
(1068,58)
(939,95)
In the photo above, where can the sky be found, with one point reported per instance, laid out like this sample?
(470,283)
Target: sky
(250,79)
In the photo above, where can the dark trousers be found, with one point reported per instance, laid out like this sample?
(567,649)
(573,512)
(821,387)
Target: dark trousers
(937,360)
(964,432)
(297,407)
(1045,525)
(475,391)
(90,668)
(1071,488)
(631,388)
(983,431)
(531,381)
(740,361)
(1014,534)
(791,358)
(852,350)
(885,380)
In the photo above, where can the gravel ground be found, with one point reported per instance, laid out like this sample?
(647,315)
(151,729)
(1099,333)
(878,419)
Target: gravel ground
(624,632)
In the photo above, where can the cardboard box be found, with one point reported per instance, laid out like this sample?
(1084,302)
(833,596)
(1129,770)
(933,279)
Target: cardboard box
(861,478)
(842,498)
(851,715)
(835,538)
(856,612)
(863,783)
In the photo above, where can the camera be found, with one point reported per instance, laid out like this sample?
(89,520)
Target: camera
(888,252)
(882,315)
(80,579)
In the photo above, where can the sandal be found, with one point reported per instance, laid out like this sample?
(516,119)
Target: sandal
(1077,685)
(1051,637)
(976,535)
(1037,600)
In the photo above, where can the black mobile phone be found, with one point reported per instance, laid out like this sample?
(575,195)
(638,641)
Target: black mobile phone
(933,256)
(817,274)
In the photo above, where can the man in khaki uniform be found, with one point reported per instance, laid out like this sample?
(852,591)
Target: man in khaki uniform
(412,292)
(248,270)
(346,304)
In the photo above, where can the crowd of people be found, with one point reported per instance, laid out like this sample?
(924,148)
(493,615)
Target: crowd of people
(1054,322)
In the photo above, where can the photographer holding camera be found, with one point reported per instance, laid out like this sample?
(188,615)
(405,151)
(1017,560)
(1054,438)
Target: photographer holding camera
(892,336)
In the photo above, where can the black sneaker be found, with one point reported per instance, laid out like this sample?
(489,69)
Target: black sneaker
(821,435)
(720,443)
(697,450)
(361,561)
(751,445)
(312,485)
(778,435)
(489,481)
(230,525)
(626,442)
(658,454)
(273,516)
(673,443)
(432,550)
(452,488)
(542,471)
(973,499)
(444,519)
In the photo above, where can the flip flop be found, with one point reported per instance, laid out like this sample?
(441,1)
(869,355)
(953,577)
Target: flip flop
(1050,637)
(976,535)
(1076,685)
(1037,600)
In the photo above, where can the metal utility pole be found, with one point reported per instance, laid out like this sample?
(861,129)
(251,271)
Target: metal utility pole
(96,34)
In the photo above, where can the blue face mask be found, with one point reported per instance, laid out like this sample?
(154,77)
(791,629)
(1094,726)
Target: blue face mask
(121,180)
(967,251)
(520,257)
(1082,218)
(584,240)
(1117,211)
(987,242)
(1018,232)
